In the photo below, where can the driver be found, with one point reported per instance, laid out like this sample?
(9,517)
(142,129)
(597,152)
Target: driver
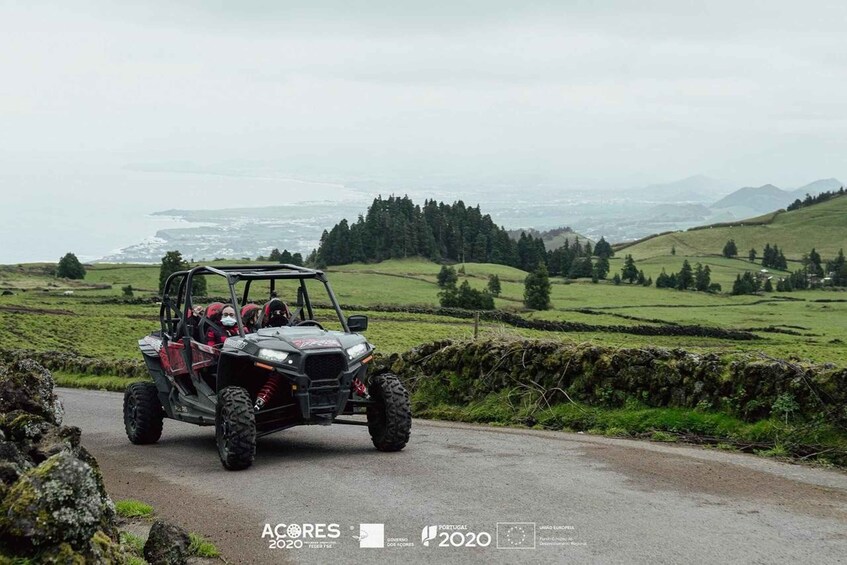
(275,314)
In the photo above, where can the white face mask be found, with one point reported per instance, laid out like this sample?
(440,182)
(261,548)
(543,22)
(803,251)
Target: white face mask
(228,321)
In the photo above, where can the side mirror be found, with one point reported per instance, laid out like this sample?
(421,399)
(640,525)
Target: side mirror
(357,323)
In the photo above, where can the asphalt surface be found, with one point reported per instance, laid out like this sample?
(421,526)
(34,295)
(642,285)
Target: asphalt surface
(575,498)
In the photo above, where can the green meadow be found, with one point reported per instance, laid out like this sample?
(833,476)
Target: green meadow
(94,321)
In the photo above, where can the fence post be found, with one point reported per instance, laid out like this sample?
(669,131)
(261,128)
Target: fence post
(475,325)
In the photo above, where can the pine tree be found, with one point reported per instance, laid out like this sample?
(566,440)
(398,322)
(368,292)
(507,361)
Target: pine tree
(629,272)
(815,266)
(752,255)
(838,268)
(603,249)
(601,267)
(730,249)
(685,278)
(537,289)
(581,268)
(447,277)
(275,255)
(781,262)
(494,285)
(702,277)
(70,268)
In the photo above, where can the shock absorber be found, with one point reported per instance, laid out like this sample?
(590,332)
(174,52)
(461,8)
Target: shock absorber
(267,392)
(359,388)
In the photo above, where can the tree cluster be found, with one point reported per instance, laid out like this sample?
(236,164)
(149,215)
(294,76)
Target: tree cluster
(395,227)
(747,283)
(801,279)
(574,260)
(798,280)
(698,278)
(285,257)
(465,297)
(810,200)
(773,258)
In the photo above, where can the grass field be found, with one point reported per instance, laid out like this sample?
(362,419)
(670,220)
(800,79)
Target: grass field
(83,323)
(823,226)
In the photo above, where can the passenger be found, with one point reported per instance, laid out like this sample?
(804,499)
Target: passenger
(275,314)
(250,317)
(193,319)
(222,324)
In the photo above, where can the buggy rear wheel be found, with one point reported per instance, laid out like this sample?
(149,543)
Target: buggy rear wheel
(143,413)
(390,420)
(235,428)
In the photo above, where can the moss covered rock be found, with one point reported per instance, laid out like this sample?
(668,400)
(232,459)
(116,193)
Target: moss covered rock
(168,544)
(25,385)
(57,502)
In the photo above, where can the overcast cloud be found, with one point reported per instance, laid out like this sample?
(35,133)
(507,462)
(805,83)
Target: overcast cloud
(750,91)
(608,94)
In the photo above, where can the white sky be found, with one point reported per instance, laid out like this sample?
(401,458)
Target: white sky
(618,93)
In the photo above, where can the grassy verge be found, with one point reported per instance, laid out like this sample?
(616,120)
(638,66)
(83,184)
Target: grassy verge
(133,509)
(94,382)
(812,441)
(201,547)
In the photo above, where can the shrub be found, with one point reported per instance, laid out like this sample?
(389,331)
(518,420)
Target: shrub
(70,267)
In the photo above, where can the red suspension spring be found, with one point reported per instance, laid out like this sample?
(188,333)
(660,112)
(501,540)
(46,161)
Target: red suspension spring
(359,388)
(268,391)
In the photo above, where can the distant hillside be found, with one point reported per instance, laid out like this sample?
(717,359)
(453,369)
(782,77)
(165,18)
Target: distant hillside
(698,188)
(766,197)
(823,226)
(553,239)
(755,200)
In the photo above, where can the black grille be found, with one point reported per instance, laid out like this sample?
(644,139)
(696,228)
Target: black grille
(324,366)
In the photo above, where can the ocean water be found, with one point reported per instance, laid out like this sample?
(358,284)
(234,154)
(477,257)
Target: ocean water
(52,209)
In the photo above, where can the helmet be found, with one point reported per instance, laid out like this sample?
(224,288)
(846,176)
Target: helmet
(213,311)
(275,314)
(249,313)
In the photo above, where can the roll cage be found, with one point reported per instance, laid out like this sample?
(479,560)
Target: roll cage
(176,305)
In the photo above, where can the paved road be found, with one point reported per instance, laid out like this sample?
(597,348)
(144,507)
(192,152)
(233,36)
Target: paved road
(580,498)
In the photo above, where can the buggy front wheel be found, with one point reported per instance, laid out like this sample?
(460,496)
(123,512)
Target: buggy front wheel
(390,419)
(235,428)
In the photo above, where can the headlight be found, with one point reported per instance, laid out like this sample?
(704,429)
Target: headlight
(273,355)
(357,350)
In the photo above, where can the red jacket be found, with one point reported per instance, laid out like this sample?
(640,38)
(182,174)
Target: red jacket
(215,337)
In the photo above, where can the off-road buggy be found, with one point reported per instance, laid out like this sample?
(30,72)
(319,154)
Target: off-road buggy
(291,373)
